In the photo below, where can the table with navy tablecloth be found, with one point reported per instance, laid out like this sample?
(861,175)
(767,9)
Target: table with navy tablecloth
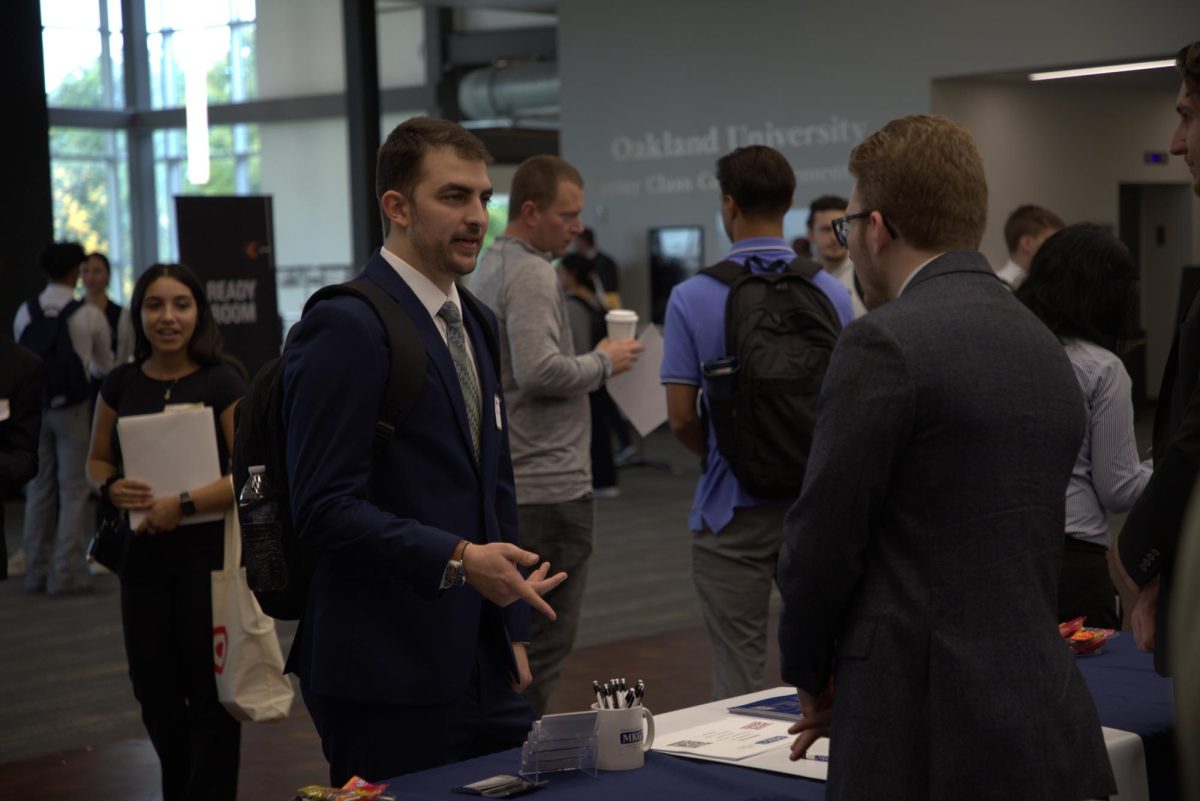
(1129,696)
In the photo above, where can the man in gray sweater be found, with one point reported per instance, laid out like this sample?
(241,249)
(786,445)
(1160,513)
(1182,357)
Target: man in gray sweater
(546,387)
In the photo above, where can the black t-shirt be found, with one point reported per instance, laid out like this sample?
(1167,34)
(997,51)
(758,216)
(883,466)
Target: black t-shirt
(130,391)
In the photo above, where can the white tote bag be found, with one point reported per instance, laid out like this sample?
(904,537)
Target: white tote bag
(247,660)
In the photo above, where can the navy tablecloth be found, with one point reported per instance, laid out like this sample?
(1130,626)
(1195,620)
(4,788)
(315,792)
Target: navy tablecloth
(1129,696)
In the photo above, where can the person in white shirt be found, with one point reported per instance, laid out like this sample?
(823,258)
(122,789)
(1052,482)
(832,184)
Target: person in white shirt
(1083,285)
(1024,232)
(830,253)
(56,513)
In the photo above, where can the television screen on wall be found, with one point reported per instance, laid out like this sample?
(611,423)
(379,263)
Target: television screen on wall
(676,253)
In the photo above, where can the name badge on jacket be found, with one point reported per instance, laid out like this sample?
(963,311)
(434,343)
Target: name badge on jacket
(499,424)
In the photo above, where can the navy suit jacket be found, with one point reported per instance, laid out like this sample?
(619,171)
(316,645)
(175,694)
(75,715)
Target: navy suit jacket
(377,627)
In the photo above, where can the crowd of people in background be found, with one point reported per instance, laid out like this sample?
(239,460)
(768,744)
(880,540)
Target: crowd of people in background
(923,495)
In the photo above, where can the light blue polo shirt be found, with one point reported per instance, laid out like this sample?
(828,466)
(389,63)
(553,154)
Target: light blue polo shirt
(695,334)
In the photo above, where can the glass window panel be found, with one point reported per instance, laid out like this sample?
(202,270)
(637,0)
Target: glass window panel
(90,190)
(115,20)
(78,14)
(234,169)
(72,66)
(243,10)
(228,54)
(166,71)
(116,50)
(154,15)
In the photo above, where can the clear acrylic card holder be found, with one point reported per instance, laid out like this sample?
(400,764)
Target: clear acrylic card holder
(561,742)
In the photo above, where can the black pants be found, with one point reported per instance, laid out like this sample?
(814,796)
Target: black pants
(1085,587)
(604,415)
(380,741)
(168,639)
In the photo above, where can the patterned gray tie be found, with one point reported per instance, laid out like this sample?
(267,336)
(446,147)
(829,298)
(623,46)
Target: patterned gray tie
(456,339)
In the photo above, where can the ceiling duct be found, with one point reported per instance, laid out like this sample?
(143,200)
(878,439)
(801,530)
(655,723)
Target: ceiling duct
(512,91)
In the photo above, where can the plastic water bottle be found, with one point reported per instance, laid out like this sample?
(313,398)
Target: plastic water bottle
(262,545)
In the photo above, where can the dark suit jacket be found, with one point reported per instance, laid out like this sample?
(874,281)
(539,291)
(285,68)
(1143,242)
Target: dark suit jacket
(21,386)
(921,562)
(1149,539)
(377,628)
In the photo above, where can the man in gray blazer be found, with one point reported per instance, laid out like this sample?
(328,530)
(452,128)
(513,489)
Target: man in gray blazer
(918,575)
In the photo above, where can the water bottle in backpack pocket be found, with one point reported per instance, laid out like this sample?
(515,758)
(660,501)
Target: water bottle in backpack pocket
(262,540)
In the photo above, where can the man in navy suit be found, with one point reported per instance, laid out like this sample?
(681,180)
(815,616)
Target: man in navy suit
(411,650)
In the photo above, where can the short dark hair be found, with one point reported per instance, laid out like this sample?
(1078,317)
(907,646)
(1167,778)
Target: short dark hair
(1028,220)
(1083,283)
(206,347)
(759,179)
(1187,61)
(103,259)
(58,259)
(925,176)
(589,236)
(401,157)
(826,203)
(579,266)
(537,180)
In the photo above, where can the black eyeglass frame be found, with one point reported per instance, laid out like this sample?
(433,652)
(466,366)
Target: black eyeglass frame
(841,225)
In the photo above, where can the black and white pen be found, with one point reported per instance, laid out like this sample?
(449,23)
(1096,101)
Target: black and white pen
(599,695)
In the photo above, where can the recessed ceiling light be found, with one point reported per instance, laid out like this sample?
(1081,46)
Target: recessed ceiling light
(1083,72)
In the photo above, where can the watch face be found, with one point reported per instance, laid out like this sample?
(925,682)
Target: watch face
(454,576)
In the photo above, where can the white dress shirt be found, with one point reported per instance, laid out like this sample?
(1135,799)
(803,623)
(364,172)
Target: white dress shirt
(1012,274)
(432,298)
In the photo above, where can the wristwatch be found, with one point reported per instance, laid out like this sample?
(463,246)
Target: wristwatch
(186,504)
(456,573)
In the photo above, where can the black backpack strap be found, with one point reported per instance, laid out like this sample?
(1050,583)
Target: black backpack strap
(727,272)
(35,309)
(407,352)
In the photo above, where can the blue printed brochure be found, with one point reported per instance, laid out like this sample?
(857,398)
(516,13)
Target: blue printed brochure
(781,707)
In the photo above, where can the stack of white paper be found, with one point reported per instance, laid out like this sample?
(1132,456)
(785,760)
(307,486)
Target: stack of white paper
(173,452)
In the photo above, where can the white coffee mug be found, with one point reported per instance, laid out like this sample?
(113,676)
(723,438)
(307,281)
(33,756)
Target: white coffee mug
(622,323)
(623,741)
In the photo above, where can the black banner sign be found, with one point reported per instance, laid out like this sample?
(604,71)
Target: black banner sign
(227,242)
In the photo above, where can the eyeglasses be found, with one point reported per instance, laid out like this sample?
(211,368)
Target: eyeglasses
(842,225)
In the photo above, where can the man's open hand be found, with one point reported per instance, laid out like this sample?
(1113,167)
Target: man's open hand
(492,570)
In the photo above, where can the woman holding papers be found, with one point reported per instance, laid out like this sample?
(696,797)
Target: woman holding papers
(166,604)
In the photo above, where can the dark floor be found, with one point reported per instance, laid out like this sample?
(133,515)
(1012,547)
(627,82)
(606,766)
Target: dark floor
(69,725)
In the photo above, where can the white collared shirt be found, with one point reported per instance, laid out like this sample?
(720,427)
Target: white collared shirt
(1011,274)
(913,274)
(431,297)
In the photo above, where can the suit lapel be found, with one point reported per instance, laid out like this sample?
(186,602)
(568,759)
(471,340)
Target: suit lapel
(381,273)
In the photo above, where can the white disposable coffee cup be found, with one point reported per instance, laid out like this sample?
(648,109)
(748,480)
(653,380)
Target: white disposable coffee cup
(624,736)
(622,323)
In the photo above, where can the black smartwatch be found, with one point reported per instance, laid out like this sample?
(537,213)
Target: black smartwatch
(106,486)
(186,504)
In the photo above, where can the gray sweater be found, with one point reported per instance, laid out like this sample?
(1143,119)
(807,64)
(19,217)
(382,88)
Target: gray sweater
(545,383)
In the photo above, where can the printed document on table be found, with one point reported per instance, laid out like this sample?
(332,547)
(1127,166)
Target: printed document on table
(730,738)
(172,451)
(638,392)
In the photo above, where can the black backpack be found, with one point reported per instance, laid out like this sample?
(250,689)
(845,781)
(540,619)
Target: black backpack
(260,439)
(66,382)
(780,330)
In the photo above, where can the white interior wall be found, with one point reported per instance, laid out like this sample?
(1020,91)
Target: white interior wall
(687,67)
(1069,147)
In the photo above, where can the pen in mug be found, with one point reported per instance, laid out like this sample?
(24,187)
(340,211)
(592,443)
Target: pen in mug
(599,695)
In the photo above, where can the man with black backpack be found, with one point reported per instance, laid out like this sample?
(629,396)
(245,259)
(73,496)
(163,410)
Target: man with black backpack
(750,337)
(73,341)
(411,645)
